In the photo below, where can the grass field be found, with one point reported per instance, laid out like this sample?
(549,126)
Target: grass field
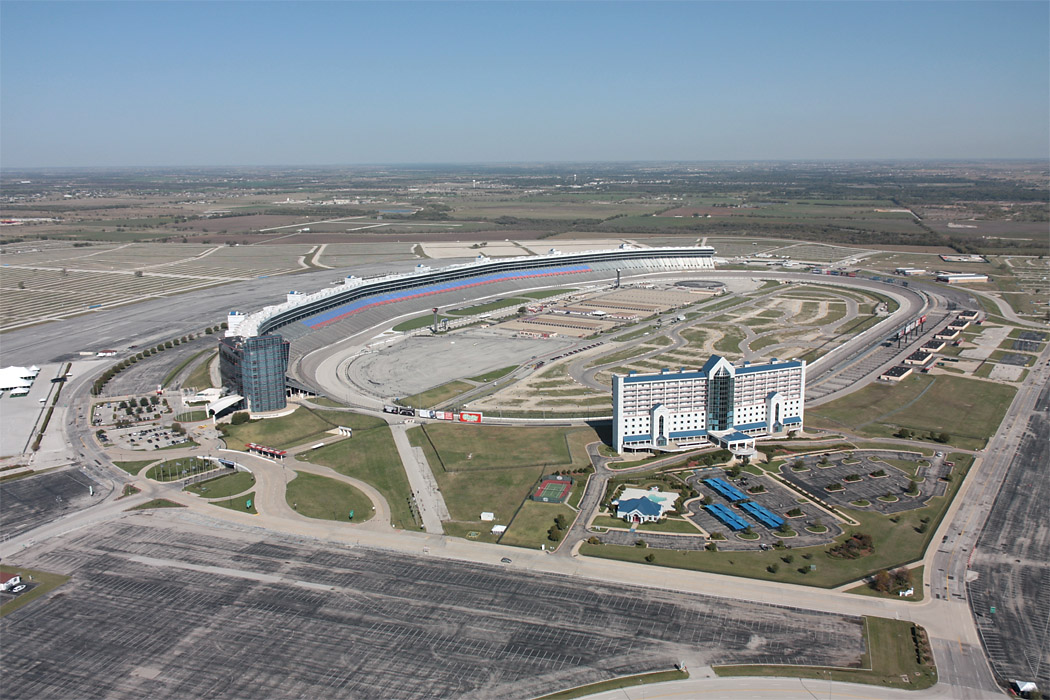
(502,467)
(185,363)
(418,322)
(545,293)
(180,468)
(192,416)
(239,503)
(223,486)
(916,578)
(530,525)
(370,455)
(436,395)
(969,411)
(46,582)
(473,447)
(889,661)
(328,499)
(488,306)
(302,426)
(134,468)
(895,544)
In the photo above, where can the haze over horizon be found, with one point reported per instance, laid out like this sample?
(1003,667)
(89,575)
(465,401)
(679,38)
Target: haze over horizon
(217,84)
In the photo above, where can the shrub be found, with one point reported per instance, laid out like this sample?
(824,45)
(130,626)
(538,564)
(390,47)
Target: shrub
(239,418)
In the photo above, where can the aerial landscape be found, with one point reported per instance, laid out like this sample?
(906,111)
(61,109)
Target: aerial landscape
(426,363)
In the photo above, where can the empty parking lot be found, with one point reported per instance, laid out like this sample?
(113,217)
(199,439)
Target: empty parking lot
(167,605)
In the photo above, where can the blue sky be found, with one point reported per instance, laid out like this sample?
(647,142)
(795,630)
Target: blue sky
(187,83)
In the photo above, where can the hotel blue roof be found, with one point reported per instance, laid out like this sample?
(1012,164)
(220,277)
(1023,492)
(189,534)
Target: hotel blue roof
(642,505)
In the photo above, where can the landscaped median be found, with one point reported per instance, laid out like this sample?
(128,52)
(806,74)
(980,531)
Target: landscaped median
(898,656)
(617,683)
(324,498)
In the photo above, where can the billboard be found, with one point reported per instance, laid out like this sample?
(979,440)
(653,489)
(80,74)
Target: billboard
(465,417)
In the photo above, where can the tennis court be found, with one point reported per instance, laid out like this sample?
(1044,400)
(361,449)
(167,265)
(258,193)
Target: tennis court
(552,489)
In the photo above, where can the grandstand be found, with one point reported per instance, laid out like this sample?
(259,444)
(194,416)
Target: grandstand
(359,295)
(730,519)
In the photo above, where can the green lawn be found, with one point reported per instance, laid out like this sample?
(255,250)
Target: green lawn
(304,425)
(370,455)
(183,365)
(239,503)
(134,468)
(489,306)
(470,447)
(436,395)
(968,410)
(328,499)
(530,524)
(223,486)
(891,658)
(192,416)
(46,582)
(180,468)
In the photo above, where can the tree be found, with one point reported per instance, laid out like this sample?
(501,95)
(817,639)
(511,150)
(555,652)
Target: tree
(522,311)
(944,437)
(904,433)
(177,428)
(143,402)
(138,273)
(882,581)
(239,418)
(650,557)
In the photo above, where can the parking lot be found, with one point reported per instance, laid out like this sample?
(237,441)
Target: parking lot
(1010,593)
(170,605)
(144,437)
(863,463)
(35,500)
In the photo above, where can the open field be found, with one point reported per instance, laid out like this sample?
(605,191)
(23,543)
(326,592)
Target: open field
(327,499)
(302,426)
(370,455)
(223,486)
(968,410)
(531,523)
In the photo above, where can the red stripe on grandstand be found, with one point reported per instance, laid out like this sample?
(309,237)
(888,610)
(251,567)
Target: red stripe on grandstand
(440,291)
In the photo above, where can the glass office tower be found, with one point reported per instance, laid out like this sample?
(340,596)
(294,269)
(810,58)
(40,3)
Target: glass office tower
(255,368)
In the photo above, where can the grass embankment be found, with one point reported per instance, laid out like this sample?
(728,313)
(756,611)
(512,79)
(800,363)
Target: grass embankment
(371,456)
(545,293)
(182,365)
(223,486)
(418,322)
(327,499)
(200,377)
(895,544)
(134,468)
(617,683)
(969,411)
(304,425)
(436,395)
(239,503)
(493,468)
(45,583)
(891,661)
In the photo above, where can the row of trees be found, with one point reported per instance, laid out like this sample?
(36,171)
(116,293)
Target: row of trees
(116,369)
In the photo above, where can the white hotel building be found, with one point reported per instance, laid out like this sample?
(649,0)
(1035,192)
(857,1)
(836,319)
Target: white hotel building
(720,403)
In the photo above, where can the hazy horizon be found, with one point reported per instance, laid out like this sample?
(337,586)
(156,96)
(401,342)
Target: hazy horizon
(309,84)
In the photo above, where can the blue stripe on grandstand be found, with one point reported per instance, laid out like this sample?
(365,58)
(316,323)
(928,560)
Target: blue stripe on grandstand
(762,515)
(725,489)
(345,310)
(733,521)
